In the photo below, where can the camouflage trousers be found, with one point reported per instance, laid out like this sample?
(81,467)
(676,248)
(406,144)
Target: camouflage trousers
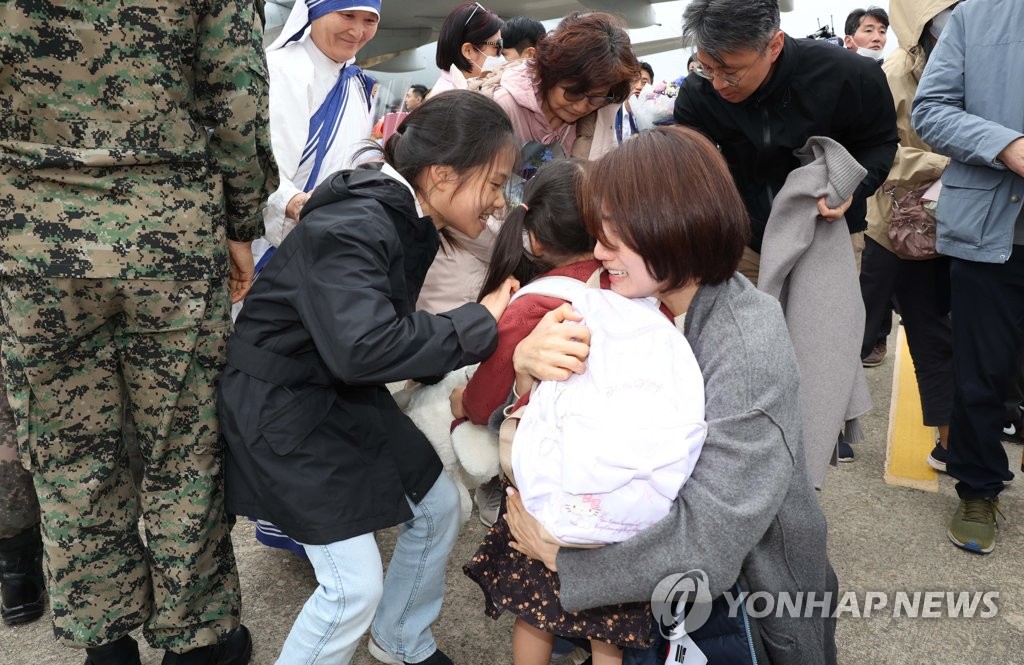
(77,353)
(19,509)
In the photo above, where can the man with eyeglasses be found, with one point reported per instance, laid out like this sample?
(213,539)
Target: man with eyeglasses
(760,94)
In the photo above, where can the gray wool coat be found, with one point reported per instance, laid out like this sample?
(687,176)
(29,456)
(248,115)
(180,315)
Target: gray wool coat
(808,265)
(748,512)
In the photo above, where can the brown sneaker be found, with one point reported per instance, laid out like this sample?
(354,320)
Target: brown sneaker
(876,357)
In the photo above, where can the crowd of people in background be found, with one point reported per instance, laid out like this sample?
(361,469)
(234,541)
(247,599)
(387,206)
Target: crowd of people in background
(244,271)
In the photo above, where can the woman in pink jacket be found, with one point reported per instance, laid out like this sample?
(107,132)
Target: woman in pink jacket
(566,98)
(562,103)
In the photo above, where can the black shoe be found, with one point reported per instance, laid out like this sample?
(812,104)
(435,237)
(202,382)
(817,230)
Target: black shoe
(938,458)
(436,658)
(234,649)
(124,651)
(22,589)
(844,451)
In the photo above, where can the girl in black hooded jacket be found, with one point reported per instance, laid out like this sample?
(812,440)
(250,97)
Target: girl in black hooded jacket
(316,444)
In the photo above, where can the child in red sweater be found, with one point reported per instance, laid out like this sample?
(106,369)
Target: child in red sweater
(544,236)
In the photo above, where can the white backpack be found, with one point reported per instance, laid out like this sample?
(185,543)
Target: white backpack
(601,456)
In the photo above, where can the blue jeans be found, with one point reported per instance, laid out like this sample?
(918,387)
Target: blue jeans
(353,590)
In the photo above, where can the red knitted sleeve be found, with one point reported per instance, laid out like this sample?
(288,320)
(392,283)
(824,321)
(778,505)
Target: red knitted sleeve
(493,381)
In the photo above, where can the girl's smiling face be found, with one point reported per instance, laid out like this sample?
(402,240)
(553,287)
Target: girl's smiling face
(464,203)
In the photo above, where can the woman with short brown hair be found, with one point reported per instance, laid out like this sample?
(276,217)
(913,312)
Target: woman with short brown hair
(562,103)
(683,238)
(748,517)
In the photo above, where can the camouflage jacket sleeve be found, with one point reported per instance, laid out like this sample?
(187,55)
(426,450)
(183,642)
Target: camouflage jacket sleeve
(231,97)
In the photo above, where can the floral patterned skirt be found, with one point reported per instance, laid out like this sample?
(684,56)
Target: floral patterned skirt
(514,582)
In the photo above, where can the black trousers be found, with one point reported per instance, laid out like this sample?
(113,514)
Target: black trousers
(921,291)
(878,272)
(988,324)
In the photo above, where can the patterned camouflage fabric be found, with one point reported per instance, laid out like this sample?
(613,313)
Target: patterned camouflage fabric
(19,508)
(133,140)
(162,343)
(133,135)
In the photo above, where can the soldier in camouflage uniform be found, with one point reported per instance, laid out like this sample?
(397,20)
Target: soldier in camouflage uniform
(21,572)
(134,159)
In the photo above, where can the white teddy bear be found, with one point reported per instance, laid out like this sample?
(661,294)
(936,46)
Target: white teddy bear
(470,453)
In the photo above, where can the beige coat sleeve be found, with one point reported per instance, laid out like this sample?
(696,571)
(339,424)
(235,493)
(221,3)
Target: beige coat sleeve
(915,163)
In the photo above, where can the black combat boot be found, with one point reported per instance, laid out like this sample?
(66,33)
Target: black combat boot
(22,589)
(124,651)
(234,649)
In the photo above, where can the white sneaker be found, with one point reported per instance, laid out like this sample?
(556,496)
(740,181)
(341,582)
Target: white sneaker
(380,654)
(488,501)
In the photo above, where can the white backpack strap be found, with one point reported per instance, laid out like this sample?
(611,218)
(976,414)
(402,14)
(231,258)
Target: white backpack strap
(555,286)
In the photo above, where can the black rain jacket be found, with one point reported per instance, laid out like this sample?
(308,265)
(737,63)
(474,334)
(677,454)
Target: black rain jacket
(316,444)
(816,89)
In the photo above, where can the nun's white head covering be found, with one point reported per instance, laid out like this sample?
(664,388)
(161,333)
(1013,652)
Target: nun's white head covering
(305,12)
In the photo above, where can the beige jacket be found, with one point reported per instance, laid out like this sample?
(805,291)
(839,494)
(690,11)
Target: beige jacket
(915,162)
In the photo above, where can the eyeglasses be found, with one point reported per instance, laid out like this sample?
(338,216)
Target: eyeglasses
(596,101)
(710,74)
(500,43)
(473,13)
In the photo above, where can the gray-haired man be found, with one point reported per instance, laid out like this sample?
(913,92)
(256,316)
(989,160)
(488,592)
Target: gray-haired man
(760,94)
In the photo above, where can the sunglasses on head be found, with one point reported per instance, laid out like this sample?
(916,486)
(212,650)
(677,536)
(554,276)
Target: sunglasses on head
(473,13)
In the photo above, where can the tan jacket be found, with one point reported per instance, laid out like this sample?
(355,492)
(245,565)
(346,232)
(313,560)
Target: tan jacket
(457,273)
(915,163)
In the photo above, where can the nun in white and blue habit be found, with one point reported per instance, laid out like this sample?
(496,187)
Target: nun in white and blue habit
(321,111)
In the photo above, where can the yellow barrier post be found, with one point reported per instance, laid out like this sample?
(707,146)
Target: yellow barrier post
(908,441)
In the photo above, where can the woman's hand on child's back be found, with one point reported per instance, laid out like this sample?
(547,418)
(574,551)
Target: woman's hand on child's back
(556,349)
(497,300)
(529,536)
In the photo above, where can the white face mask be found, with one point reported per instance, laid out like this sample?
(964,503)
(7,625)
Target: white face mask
(491,62)
(873,53)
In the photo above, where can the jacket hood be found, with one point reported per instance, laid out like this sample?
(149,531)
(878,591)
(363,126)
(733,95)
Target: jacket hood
(517,79)
(367,182)
(907,18)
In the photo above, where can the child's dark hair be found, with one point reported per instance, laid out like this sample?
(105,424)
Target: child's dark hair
(522,32)
(458,128)
(551,210)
